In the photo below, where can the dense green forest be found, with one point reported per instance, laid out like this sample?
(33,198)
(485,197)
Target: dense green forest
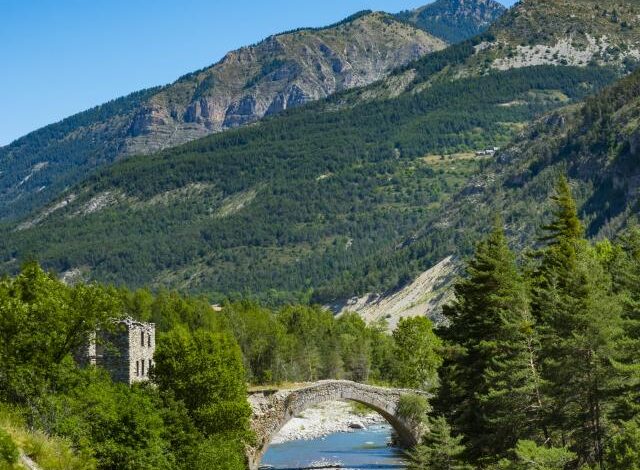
(295,205)
(536,365)
(595,144)
(541,357)
(195,415)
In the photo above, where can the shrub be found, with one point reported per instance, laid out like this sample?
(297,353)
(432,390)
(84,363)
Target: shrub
(528,455)
(413,407)
(8,450)
(624,449)
(219,451)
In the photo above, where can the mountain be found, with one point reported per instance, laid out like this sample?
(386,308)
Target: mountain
(281,72)
(596,144)
(295,204)
(455,20)
(580,33)
(337,198)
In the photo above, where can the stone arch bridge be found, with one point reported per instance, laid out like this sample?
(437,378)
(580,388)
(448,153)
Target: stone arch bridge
(273,409)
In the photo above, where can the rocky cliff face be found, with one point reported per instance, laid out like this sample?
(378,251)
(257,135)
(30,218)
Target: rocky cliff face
(280,73)
(565,32)
(425,296)
(455,20)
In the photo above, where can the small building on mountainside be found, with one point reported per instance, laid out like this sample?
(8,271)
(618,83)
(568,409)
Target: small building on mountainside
(126,352)
(487,152)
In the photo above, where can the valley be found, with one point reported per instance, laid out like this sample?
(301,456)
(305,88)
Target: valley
(291,208)
(400,241)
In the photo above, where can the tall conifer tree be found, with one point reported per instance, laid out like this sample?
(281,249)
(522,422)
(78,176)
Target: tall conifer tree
(580,322)
(625,269)
(490,379)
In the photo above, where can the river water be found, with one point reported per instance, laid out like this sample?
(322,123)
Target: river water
(359,450)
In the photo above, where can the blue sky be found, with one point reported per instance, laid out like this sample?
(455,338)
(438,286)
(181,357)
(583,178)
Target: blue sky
(60,57)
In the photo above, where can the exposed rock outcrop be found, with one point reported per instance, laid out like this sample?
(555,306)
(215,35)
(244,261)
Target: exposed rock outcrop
(282,72)
(425,296)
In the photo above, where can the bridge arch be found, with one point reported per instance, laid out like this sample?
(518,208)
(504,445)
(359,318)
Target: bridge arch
(271,411)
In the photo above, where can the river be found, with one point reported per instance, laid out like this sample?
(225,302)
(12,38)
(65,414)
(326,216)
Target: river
(358,450)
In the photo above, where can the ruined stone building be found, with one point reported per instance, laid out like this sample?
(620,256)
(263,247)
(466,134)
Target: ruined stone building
(126,352)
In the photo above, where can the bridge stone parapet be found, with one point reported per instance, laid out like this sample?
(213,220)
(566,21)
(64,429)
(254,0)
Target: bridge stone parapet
(272,410)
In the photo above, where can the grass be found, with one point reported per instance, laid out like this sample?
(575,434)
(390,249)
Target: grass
(48,452)
(448,159)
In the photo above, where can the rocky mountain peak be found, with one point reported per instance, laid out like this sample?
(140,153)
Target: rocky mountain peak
(281,72)
(455,20)
(567,32)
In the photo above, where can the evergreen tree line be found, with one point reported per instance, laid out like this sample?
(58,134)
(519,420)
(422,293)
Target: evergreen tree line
(541,364)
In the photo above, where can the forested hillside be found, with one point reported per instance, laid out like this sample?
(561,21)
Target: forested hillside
(596,144)
(281,72)
(297,203)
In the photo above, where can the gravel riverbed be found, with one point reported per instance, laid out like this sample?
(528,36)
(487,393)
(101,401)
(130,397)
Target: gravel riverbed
(324,419)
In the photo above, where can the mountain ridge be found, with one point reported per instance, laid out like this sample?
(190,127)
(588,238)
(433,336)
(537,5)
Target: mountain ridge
(455,20)
(282,71)
(532,32)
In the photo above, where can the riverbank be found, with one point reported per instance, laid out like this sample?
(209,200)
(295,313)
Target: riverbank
(324,419)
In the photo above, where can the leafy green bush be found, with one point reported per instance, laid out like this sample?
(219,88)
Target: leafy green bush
(416,354)
(8,449)
(219,451)
(530,456)
(413,407)
(48,451)
(624,450)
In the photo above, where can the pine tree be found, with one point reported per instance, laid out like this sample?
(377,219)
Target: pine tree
(625,269)
(579,323)
(439,450)
(565,224)
(490,379)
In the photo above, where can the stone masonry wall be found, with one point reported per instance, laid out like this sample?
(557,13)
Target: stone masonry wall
(126,352)
(272,411)
(142,345)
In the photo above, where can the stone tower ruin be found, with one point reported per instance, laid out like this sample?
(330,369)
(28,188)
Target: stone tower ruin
(126,352)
